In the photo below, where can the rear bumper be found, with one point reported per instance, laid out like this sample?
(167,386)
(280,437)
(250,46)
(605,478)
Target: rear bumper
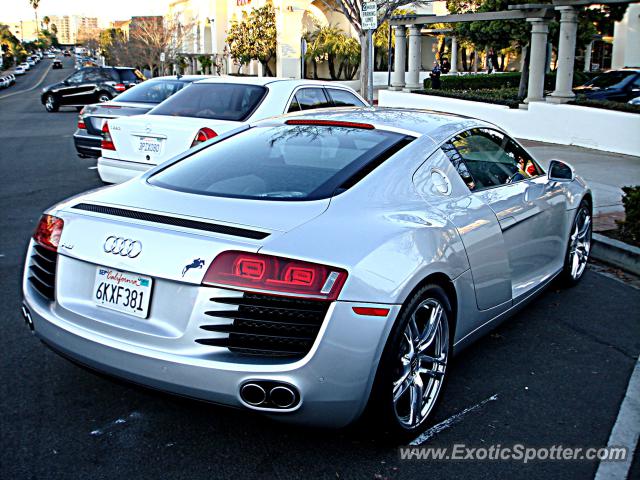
(87,145)
(118,171)
(334,379)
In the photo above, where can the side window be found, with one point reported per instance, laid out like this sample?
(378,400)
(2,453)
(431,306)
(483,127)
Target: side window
(92,75)
(343,98)
(486,158)
(295,106)
(76,77)
(310,98)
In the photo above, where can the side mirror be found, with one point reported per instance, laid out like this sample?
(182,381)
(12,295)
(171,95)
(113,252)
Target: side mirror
(560,171)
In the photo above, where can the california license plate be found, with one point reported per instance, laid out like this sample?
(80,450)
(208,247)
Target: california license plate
(149,145)
(125,292)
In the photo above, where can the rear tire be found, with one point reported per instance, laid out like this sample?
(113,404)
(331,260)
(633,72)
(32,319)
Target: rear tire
(51,104)
(103,97)
(578,247)
(412,371)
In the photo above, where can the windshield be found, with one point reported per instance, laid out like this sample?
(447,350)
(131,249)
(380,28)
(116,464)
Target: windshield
(151,91)
(218,101)
(287,162)
(611,79)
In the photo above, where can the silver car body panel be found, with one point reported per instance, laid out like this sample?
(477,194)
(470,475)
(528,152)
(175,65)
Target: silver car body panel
(400,226)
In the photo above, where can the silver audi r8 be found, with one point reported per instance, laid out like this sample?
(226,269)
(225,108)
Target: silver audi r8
(311,266)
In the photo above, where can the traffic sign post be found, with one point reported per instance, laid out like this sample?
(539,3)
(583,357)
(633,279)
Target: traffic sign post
(369,22)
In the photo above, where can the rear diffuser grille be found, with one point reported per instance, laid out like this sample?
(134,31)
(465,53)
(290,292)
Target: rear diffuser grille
(42,271)
(174,221)
(267,325)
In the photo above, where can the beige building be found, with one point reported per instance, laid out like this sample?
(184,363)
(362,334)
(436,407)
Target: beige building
(209,20)
(24,30)
(70,25)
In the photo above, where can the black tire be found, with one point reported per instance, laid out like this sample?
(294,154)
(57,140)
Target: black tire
(104,97)
(582,248)
(383,411)
(51,103)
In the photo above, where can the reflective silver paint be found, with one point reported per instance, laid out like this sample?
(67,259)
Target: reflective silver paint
(392,231)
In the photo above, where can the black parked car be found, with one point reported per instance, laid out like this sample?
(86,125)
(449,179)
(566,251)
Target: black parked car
(135,101)
(616,85)
(90,85)
(56,64)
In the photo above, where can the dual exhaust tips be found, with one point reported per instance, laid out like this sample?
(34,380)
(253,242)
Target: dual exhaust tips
(270,395)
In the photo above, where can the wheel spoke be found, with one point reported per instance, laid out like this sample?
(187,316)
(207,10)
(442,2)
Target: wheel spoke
(425,359)
(416,397)
(585,228)
(431,329)
(575,264)
(400,387)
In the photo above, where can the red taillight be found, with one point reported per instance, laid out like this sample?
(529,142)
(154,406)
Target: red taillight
(371,311)
(120,87)
(278,275)
(107,142)
(330,123)
(48,232)
(203,135)
(81,124)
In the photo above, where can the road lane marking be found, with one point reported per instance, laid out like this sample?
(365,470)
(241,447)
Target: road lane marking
(451,421)
(29,89)
(625,431)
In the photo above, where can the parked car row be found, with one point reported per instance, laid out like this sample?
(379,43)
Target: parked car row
(7,80)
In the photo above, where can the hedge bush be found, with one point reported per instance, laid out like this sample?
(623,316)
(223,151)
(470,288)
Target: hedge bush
(503,96)
(499,80)
(630,228)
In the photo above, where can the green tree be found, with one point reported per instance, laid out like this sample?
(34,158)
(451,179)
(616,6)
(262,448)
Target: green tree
(35,4)
(254,37)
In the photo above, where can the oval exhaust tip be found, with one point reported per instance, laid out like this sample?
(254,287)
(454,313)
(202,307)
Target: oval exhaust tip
(253,394)
(282,396)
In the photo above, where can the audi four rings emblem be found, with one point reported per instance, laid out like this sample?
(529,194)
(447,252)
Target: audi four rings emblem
(122,246)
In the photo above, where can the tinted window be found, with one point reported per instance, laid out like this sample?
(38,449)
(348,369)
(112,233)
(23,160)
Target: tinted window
(76,77)
(152,91)
(289,162)
(310,98)
(92,75)
(486,158)
(295,106)
(220,101)
(614,79)
(124,74)
(343,98)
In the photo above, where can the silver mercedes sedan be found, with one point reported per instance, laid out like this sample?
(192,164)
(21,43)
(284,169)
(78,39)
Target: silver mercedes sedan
(312,266)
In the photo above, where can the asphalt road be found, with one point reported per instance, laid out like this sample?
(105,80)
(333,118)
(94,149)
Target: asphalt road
(559,370)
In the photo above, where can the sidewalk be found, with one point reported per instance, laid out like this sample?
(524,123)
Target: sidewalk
(605,173)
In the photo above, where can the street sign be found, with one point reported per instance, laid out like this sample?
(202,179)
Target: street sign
(369,15)
(162,57)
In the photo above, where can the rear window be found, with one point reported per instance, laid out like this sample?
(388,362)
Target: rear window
(152,91)
(127,75)
(219,101)
(287,162)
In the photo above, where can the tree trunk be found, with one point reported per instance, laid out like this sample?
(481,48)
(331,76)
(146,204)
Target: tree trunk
(364,66)
(463,55)
(524,75)
(315,68)
(332,66)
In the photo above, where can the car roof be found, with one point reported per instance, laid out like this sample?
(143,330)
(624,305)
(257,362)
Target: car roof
(184,78)
(263,81)
(437,125)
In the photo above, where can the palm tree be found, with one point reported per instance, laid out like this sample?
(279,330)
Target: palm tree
(35,4)
(46,20)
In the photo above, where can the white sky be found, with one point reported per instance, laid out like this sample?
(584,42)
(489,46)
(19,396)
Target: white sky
(12,10)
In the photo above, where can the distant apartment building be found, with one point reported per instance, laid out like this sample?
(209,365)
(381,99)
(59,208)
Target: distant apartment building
(24,30)
(72,27)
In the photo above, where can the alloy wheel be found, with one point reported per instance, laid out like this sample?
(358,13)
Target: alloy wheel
(580,243)
(421,363)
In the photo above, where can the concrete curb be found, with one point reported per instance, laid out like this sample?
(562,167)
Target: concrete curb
(616,253)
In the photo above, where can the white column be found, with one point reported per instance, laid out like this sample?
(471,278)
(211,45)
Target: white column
(399,55)
(566,55)
(415,57)
(587,56)
(454,55)
(538,54)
